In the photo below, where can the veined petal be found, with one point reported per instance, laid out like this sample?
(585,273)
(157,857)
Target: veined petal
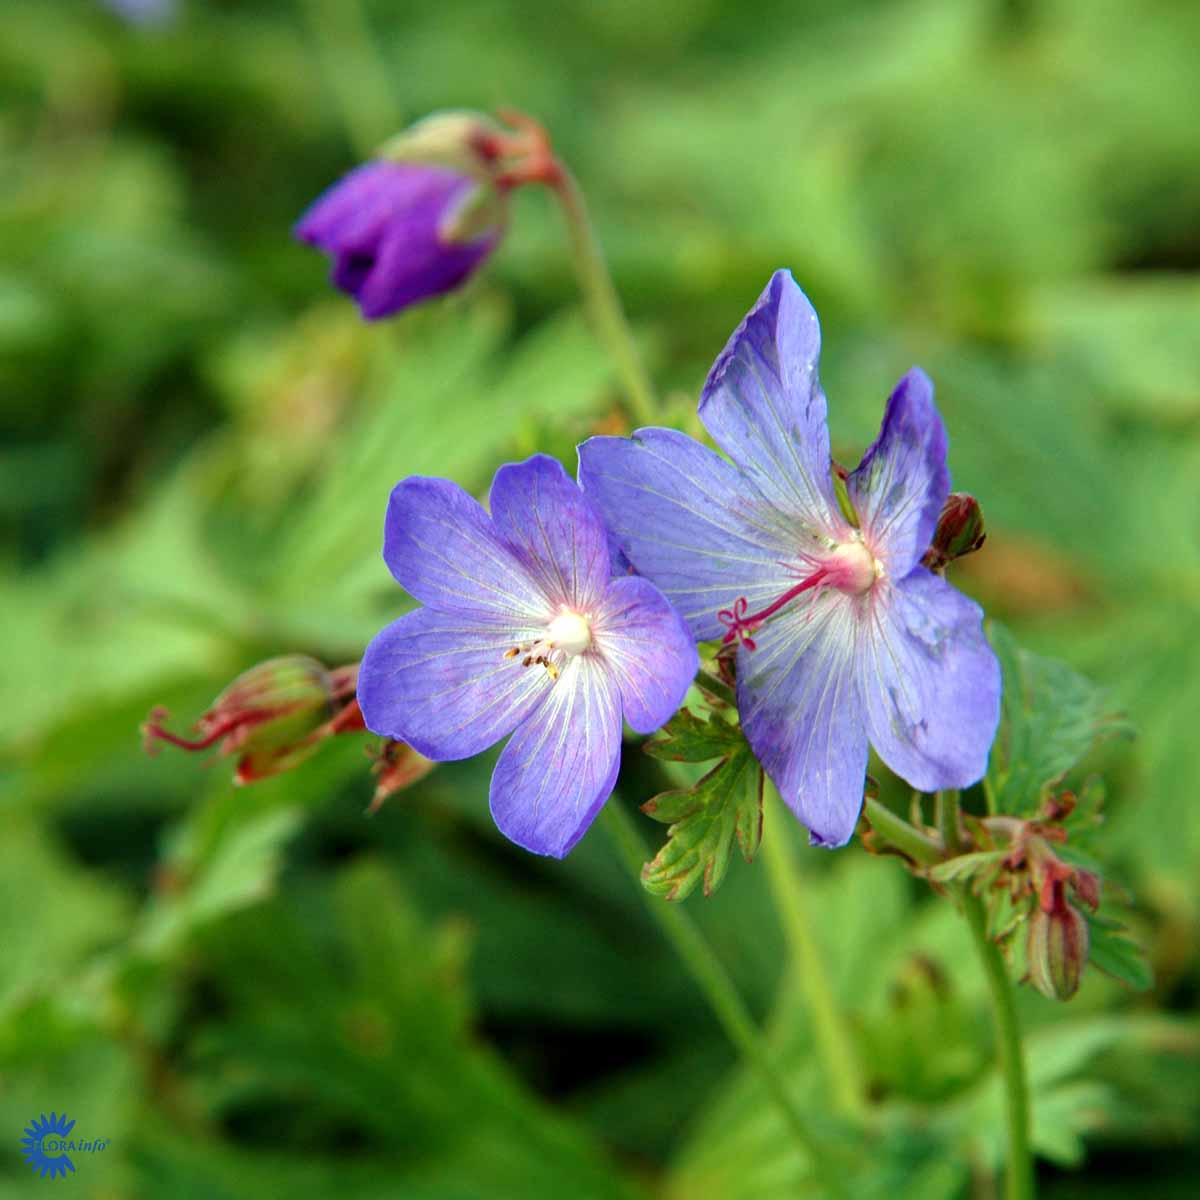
(440,681)
(648,647)
(554,529)
(802,715)
(442,548)
(560,766)
(902,482)
(764,407)
(688,522)
(930,683)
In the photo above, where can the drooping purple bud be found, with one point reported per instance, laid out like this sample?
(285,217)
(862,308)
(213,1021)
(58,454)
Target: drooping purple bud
(417,220)
(960,531)
(270,717)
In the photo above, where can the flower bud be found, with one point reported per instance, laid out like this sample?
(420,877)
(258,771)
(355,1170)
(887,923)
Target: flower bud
(397,766)
(959,532)
(1057,949)
(270,717)
(417,220)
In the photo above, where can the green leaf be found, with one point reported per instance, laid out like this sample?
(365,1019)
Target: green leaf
(965,865)
(705,818)
(688,738)
(1113,951)
(1050,718)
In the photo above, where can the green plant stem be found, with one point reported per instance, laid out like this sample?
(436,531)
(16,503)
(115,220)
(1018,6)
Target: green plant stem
(353,71)
(946,806)
(603,303)
(722,996)
(835,1047)
(1020,1181)
(895,829)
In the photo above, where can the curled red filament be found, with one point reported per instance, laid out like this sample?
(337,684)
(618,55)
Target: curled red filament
(740,625)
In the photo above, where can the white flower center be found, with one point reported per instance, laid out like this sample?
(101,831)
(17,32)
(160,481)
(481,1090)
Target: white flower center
(570,633)
(852,568)
(567,636)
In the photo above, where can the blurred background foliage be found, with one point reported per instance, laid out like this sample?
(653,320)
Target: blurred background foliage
(259,992)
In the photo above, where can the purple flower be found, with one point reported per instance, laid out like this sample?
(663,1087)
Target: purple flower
(523,631)
(843,637)
(401,232)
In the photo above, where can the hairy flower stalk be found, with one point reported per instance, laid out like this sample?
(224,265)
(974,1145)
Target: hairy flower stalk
(841,636)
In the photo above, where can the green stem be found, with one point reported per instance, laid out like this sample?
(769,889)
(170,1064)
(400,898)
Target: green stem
(946,806)
(353,70)
(1020,1182)
(722,996)
(895,829)
(835,1047)
(603,303)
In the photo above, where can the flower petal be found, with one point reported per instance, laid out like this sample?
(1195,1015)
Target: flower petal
(902,482)
(440,682)
(649,649)
(412,265)
(554,529)
(802,714)
(764,407)
(688,522)
(442,548)
(560,766)
(930,684)
(345,201)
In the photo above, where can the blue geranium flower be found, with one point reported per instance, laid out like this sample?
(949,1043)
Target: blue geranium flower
(842,636)
(525,631)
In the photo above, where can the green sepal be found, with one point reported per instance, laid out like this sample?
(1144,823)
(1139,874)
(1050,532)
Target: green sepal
(842,492)
(706,819)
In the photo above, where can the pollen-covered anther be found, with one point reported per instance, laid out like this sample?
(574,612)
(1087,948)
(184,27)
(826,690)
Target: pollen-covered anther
(567,635)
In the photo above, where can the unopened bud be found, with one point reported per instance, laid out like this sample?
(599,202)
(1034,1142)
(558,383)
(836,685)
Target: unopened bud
(397,766)
(270,717)
(1057,949)
(960,531)
(458,139)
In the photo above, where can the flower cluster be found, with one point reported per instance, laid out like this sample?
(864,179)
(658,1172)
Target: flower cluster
(841,635)
(566,609)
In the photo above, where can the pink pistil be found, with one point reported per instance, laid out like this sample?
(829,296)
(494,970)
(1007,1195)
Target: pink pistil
(740,625)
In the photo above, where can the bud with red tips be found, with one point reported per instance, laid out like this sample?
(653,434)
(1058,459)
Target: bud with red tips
(960,531)
(270,717)
(1057,949)
(397,766)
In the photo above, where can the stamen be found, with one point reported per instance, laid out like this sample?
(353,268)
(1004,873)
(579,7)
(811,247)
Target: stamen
(567,635)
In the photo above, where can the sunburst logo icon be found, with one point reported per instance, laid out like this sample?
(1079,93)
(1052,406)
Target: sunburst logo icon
(42,1144)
